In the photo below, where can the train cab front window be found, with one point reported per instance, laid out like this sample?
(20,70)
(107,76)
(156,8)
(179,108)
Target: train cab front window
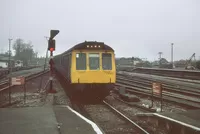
(94,61)
(80,61)
(106,61)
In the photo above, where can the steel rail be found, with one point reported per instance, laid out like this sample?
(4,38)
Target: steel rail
(125,117)
(167,87)
(161,79)
(27,78)
(169,98)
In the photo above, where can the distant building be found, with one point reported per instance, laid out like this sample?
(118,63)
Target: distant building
(4,61)
(19,63)
(128,61)
(136,62)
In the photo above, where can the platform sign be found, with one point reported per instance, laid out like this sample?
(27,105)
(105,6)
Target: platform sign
(157,88)
(157,91)
(17,80)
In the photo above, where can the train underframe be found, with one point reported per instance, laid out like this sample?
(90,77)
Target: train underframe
(86,91)
(95,91)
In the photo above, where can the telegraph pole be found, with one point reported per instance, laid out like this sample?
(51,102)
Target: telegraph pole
(46,53)
(172,44)
(160,56)
(45,61)
(9,68)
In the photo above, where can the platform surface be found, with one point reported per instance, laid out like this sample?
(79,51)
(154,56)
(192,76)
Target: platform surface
(42,120)
(71,123)
(191,117)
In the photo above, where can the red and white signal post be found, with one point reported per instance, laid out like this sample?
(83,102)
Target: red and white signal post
(157,91)
(19,81)
(51,48)
(157,88)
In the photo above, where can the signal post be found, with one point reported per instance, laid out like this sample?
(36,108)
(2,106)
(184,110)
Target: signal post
(51,48)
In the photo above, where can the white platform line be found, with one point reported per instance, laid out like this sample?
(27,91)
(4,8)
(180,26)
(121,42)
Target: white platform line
(95,127)
(179,122)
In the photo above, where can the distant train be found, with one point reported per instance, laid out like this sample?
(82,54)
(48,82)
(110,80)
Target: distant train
(18,63)
(89,69)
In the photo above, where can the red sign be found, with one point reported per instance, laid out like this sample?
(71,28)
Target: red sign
(157,88)
(18,80)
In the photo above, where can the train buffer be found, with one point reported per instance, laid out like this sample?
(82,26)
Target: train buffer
(44,120)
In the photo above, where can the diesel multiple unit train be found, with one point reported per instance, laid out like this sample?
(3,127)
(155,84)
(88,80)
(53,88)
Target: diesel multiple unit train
(88,68)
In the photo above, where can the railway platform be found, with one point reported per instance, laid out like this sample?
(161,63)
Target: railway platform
(176,122)
(189,119)
(44,120)
(179,122)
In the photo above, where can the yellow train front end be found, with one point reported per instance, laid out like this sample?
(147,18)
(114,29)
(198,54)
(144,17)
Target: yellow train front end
(91,67)
(93,72)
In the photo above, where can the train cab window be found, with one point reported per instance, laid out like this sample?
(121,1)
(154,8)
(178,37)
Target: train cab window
(106,61)
(94,61)
(80,61)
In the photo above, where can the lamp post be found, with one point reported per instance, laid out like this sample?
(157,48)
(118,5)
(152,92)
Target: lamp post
(9,68)
(46,53)
(160,56)
(172,44)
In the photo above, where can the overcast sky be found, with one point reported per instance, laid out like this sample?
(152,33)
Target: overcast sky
(132,27)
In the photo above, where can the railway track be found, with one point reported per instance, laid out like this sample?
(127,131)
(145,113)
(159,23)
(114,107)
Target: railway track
(175,82)
(117,116)
(150,121)
(144,109)
(108,118)
(3,84)
(4,87)
(140,129)
(176,73)
(113,119)
(5,71)
(171,92)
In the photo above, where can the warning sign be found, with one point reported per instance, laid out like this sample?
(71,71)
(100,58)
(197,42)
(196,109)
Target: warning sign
(157,88)
(18,80)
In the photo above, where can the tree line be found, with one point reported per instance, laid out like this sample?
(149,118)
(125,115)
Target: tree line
(24,52)
(163,63)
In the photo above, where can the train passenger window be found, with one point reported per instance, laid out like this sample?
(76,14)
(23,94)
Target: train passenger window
(80,61)
(106,61)
(94,61)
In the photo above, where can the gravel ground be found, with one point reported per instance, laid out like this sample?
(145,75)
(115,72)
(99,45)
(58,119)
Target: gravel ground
(131,112)
(108,121)
(166,107)
(60,97)
(32,100)
(25,72)
(36,97)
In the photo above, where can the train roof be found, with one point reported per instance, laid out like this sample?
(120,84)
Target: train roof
(87,46)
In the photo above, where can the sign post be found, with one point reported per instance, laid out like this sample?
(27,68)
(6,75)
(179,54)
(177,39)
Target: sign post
(157,91)
(51,48)
(19,81)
